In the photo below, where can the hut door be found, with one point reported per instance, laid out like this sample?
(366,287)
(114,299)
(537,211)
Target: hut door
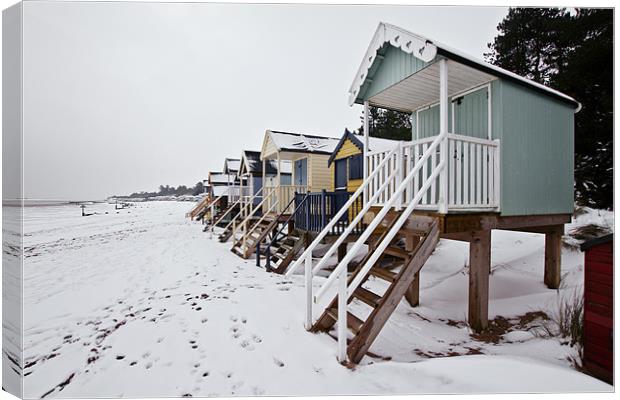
(301,172)
(470,113)
(340,178)
(341,194)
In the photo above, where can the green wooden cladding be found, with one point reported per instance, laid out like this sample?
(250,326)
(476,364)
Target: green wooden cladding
(395,66)
(537,152)
(535,130)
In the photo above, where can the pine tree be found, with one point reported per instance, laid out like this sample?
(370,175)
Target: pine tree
(387,124)
(573,53)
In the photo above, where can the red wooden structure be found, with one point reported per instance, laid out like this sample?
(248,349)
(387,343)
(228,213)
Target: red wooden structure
(598,307)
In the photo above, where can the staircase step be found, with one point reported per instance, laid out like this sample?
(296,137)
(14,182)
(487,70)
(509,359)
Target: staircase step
(286,246)
(353,322)
(383,274)
(396,252)
(368,297)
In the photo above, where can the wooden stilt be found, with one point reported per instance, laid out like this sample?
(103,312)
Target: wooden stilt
(479,268)
(553,256)
(412,295)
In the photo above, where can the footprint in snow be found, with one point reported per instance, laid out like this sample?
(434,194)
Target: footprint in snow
(247,345)
(256,391)
(278,362)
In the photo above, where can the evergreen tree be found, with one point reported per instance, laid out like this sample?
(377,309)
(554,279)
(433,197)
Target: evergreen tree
(571,52)
(387,124)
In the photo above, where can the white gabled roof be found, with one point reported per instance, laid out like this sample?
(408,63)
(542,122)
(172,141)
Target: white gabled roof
(297,142)
(408,42)
(219,190)
(217,177)
(231,165)
(426,50)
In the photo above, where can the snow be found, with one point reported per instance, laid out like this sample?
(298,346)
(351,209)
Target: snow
(140,302)
(231,165)
(218,177)
(380,144)
(299,142)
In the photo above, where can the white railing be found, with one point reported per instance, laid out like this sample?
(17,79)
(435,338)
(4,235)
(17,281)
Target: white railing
(282,194)
(245,233)
(203,201)
(243,225)
(473,173)
(245,203)
(388,183)
(234,193)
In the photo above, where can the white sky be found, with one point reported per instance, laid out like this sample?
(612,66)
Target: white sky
(122,97)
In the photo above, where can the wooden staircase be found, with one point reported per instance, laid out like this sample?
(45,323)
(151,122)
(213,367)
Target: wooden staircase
(261,227)
(198,208)
(225,234)
(284,251)
(217,215)
(365,331)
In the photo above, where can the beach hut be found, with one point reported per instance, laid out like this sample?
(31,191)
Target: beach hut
(489,150)
(248,205)
(307,157)
(347,160)
(598,306)
(251,174)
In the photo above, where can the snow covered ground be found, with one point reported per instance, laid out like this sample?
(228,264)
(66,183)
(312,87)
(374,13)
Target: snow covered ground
(140,302)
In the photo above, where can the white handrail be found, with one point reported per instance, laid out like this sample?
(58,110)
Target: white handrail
(217,199)
(341,212)
(353,223)
(394,230)
(261,219)
(376,221)
(203,199)
(225,214)
(241,210)
(253,210)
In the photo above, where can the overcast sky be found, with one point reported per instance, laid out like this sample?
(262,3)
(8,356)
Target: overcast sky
(122,97)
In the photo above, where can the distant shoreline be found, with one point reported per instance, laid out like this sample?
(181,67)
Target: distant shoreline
(46,203)
(111,200)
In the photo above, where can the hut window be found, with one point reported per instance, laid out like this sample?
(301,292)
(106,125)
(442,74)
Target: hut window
(356,167)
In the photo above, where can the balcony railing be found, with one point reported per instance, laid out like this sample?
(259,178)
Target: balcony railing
(282,195)
(319,209)
(473,173)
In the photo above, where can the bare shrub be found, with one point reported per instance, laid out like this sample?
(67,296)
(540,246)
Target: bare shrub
(566,322)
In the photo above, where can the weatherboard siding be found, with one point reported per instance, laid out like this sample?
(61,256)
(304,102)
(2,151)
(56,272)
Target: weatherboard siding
(395,66)
(537,147)
(471,116)
(319,176)
(269,148)
(348,149)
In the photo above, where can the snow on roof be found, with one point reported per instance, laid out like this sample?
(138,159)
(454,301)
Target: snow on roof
(231,165)
(374,143)
(219,190)
(426,50)
(297,142)
(218,177)
(253,164)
